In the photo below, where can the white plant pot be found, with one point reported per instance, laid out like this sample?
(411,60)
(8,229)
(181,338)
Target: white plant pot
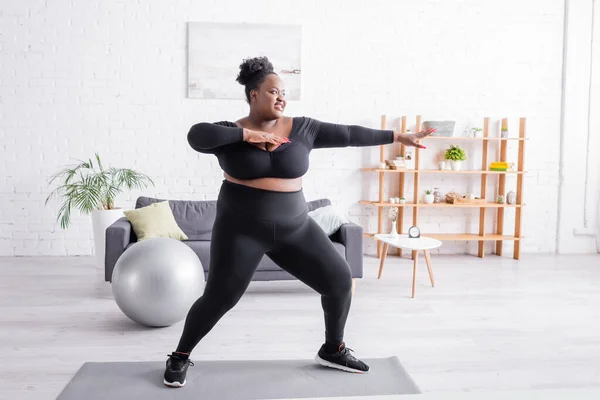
(102,219)
(429,198)
(456,165)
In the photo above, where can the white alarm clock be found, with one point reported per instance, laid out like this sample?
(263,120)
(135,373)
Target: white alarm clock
(414,232)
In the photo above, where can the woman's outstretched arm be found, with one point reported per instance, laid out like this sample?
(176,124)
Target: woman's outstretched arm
(336,135)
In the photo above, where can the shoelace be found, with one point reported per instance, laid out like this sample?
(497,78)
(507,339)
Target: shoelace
(346,352)
(178,362)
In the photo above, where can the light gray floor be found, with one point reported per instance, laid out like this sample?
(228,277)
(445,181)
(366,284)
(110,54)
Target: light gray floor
(492,324)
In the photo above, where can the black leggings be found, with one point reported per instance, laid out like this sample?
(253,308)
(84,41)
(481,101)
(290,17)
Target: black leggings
(253,222)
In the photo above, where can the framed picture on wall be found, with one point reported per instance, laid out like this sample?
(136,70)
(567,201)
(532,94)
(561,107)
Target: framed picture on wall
(216,50)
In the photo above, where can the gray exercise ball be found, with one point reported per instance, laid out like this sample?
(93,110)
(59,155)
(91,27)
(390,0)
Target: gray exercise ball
(156,281)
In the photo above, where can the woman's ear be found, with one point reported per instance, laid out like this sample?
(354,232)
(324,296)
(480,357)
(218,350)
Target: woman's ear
(253,95)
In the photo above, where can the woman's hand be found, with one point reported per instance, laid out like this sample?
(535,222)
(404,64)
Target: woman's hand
(263,137)
(412,139)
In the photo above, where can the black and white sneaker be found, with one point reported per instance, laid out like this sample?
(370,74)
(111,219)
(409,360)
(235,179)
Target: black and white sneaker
(342,359)
(176,370)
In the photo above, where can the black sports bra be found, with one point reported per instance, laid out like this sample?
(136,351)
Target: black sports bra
(243,160)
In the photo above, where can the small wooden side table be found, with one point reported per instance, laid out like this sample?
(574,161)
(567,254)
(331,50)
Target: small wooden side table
(404,242)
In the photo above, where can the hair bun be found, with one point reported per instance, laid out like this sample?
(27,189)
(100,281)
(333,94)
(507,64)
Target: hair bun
(252,67)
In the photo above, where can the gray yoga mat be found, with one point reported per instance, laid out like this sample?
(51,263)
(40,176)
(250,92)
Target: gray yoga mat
(237,380)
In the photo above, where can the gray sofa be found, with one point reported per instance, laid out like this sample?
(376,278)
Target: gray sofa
(196,219)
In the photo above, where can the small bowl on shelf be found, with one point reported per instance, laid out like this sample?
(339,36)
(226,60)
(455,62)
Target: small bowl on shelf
(442,128)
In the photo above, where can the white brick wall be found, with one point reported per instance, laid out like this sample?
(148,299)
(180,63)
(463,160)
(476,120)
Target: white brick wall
(110,76)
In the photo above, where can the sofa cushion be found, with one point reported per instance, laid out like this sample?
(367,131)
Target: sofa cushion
(194,217)
(154,220)
(269,265)
(202,249)
(328,218)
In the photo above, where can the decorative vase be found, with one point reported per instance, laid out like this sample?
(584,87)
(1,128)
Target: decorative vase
(429,198)
(511,197)
(394,232)
(102,219)
(456,165)
(437,195)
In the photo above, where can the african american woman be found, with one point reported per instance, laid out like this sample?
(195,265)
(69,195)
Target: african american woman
(261,210)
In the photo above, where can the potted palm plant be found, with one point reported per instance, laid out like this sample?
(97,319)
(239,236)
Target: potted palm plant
(92,189)
(456,156)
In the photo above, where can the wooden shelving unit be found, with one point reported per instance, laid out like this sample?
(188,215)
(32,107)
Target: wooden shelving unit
(416,205)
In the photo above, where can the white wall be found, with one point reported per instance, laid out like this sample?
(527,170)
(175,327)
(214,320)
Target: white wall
(579,190)
(592,207)
(109,77)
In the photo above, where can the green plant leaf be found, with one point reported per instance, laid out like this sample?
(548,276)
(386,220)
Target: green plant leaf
(99,162)
(131,179)
(64,214)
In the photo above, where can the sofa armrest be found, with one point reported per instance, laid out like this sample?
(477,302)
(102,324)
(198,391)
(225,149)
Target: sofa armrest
(351,236)
(118,236)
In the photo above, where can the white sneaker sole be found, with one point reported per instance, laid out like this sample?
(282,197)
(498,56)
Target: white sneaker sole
(337,366)
(174,384)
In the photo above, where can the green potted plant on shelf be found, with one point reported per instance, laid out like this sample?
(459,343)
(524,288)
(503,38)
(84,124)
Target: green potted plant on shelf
(92,190)
(476,131)
(401,200)
(429,197)
(456,156)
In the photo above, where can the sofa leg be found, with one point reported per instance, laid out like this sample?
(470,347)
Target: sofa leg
(353,285)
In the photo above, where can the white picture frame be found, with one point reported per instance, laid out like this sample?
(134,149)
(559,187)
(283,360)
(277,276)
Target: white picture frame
(216,50)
